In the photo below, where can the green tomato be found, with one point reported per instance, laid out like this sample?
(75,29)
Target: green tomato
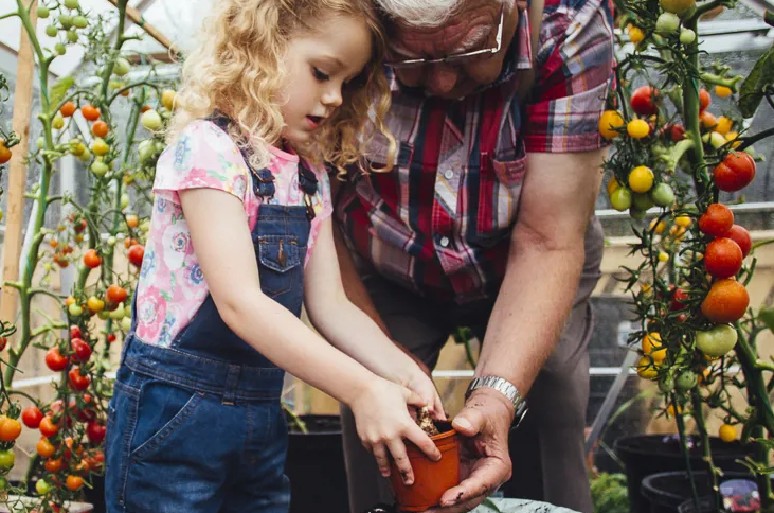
(60,48)
(126,323)
(7,459)
(151,119)
(687,36)
(621,199)
(80,22)
(43,12)
(124,201)
(66,21)
(667,23)
(43,487)
(666,384)
(71,4)
(119,313)
(99,168)
(641,201)
(52,31)
(72,36)
(639,215)
(717,341)
(662,195)
(686,380)
(147,150)
(75,310)
(121,67)
(678,7)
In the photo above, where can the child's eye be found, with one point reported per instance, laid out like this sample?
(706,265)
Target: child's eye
(320,75)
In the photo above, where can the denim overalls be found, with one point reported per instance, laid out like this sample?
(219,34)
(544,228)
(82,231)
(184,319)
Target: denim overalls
(198,426)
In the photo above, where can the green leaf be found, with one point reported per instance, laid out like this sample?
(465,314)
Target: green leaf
(766,314)
(751,91)
(59,90)
(488,503)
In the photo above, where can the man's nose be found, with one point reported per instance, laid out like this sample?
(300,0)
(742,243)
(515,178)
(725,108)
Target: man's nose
(441,79)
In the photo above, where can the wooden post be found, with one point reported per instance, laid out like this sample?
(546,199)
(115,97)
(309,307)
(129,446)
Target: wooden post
(17,171)
(136,17)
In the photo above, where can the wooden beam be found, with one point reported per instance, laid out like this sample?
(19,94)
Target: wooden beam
(136,16)
(17,171)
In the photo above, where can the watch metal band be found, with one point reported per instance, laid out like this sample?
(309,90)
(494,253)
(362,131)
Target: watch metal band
(506,388)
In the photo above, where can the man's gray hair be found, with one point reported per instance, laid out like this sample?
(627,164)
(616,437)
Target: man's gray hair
(423,13)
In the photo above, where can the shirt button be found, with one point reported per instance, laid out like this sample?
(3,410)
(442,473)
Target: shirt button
(444,241)
(449,174)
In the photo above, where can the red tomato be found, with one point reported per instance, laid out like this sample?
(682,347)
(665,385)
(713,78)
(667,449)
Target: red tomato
(75,330)
(716,220)
(3,342)
(644,100)
(679,297)
(741,236)
(48,427)
(723,258)
(67,109)
(81,349)
(735,172)
(675,132)
(96,432)
(77,380)
(31,416)
(116,293)
(704,99)
(55,360)
(135,254)
(92,259)
(100,129)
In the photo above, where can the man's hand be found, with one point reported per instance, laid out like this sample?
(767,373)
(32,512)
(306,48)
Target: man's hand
(483,423)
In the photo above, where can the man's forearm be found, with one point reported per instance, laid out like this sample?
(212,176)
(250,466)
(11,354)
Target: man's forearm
(529,313)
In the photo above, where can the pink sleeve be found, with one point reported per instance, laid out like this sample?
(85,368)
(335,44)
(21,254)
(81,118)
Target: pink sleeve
(202,157)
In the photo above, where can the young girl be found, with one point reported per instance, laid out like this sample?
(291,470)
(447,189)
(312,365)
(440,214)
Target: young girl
(240,235)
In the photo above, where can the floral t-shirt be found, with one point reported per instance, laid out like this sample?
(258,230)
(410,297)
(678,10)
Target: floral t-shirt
(172,286)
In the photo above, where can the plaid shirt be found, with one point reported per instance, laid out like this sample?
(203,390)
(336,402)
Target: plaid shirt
(439,223)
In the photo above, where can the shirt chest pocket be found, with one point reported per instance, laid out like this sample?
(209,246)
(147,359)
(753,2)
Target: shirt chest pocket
(499,193)
(280,259)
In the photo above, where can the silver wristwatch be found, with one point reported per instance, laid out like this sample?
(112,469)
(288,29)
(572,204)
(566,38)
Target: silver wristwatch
(506,388)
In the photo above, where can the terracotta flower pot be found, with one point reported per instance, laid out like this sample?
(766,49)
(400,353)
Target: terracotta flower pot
(431,478)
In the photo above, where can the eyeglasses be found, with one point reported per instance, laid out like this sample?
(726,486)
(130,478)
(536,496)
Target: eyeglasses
(411,63)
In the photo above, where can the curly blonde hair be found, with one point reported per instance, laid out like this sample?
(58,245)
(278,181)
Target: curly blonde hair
(237,69)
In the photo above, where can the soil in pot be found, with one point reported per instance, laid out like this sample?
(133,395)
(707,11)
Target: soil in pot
(431,478)
(315,466)
(645,455)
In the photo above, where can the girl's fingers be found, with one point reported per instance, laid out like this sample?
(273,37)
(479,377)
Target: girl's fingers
(382,459)
(421,440)
(399,456)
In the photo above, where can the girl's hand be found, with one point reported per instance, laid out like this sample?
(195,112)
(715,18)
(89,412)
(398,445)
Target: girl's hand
(422,384)
(383,422)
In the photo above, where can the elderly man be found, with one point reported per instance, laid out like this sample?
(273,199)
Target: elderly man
(482,222)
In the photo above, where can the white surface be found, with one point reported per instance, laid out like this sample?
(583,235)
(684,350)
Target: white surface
(522,506)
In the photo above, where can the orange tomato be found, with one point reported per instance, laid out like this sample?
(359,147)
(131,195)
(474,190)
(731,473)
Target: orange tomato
(10,429)
(48,427)
(90,112)
(99,129)
(116,293)
(704,99)
(92,259)
(5,153)
(45,448)
(708,119)
(132,220)
(74,483)
(726,301)
(53,465)
(67,109)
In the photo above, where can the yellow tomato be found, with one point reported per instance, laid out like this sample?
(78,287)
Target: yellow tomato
(724,125)
(638,129)
(727,432)
(609,121)
(612,185)
(723,91)
(58,122)
(683,221)
(636,34)
(168,99)
(94,304)
(657,226)
(653,347)
(646,368)
(99,147)
(641,179)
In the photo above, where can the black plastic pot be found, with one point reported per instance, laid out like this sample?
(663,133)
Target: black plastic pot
(315,466)
(666,491)
(645,455)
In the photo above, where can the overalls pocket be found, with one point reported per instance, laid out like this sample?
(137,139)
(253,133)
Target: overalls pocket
(279,262)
